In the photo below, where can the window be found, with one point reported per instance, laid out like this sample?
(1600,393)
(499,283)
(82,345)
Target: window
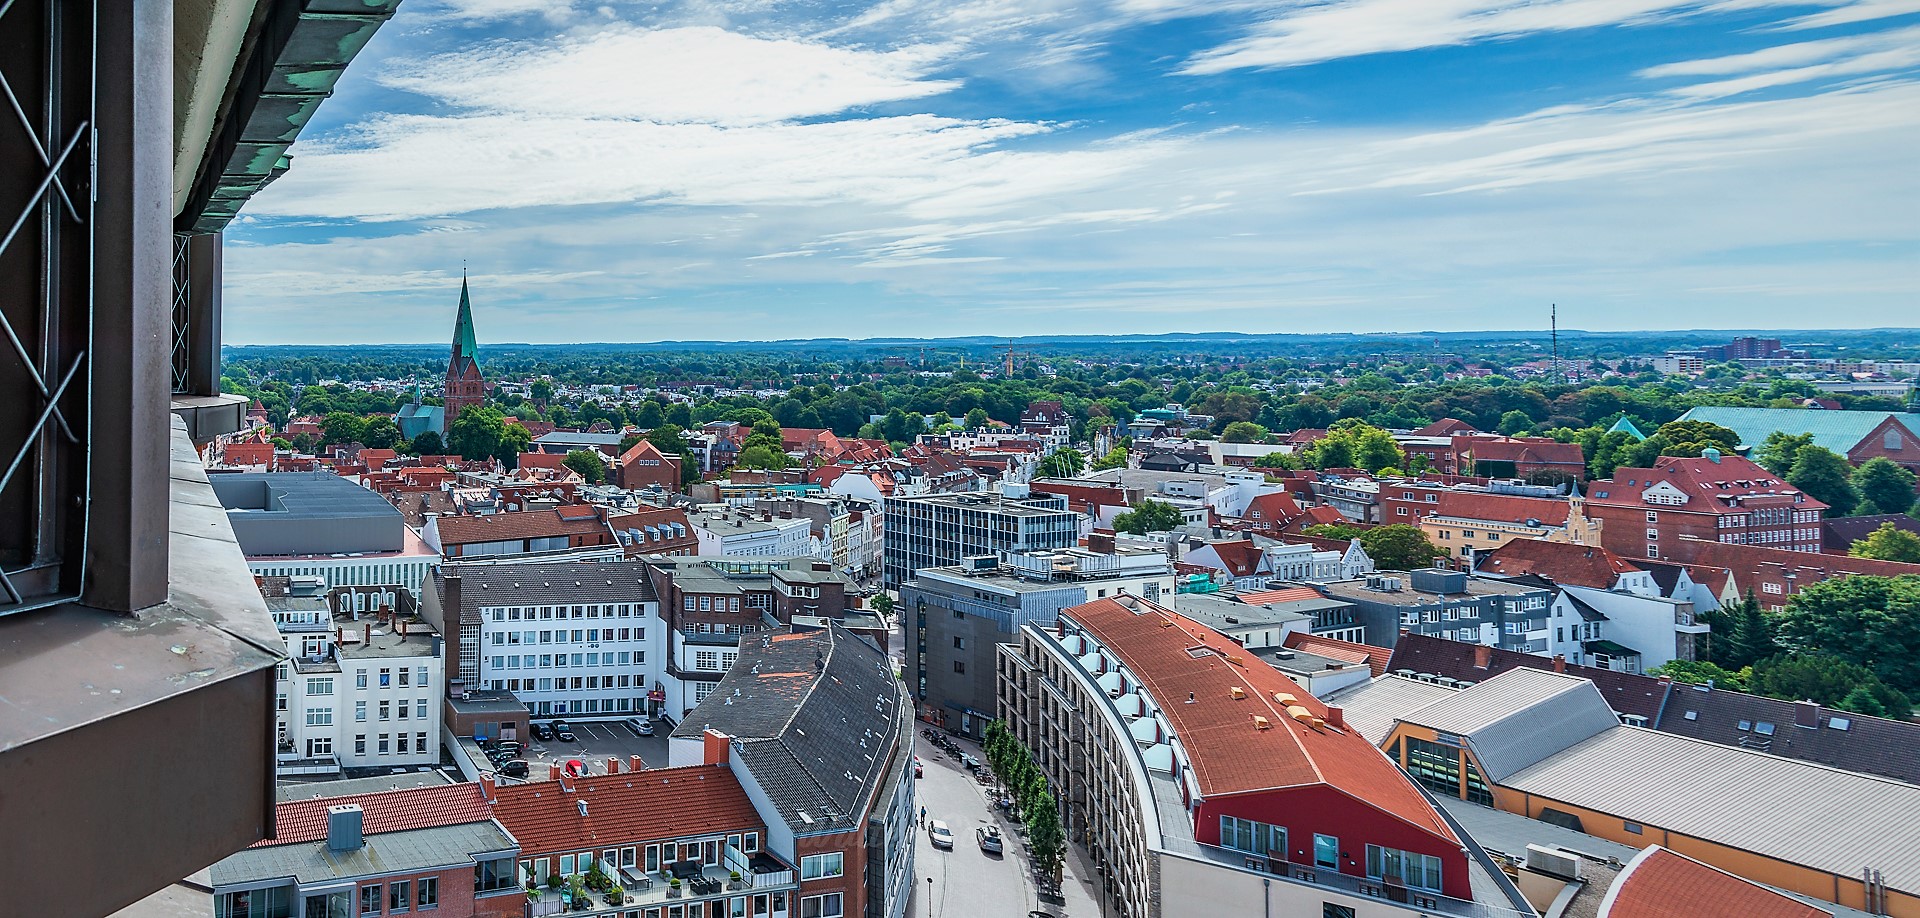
(370,900)
(1419,871)
(321,686)
(360,744)
(959,643)
(319,747)
(429,893)
(1633,827)
(385,743)
(1326,851)
(959,666)
(386,709)
(386,677)
(822,866)
(359,678)
(827,906)
(495,876)
(319,717)
(400,896)
(1252,837)
(1330,910)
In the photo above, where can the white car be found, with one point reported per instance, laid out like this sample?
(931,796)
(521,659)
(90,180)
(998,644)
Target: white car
(640,725)
(940,835)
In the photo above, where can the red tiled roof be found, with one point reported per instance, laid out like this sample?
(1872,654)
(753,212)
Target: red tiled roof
(626,808)
(1240,556)
(1291,594)
(1228,752)
(1278,508)
(1748,560)
(400,810)
(1374,657)
(1446,427)
(1519,449)
(1505,508)
(1324,516)
(1576,565)
(524,524)
(1709,486)
(1661,884)
(541,461)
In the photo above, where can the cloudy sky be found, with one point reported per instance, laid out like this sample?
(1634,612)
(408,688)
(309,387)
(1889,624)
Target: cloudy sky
(753,169)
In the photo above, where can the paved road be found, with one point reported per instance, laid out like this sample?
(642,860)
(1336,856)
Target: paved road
(966,882)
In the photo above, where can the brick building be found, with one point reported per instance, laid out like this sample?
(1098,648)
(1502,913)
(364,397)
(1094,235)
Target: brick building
(1717,498)
(643,466)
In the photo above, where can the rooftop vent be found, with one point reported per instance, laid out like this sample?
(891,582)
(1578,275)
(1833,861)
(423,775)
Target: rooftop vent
(1553,862)
(1236,692)
(1261,723)
(1285,699)
(344,824)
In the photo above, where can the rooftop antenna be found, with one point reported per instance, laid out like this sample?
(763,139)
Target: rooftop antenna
(1554,320)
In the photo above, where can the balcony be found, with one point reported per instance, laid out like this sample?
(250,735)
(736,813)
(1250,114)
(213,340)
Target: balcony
(699,885)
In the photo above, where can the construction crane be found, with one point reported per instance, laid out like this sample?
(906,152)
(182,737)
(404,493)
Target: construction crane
(1011,353)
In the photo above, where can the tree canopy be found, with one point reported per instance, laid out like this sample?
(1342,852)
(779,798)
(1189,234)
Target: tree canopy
(587,465)
(1883,486)
(1149,516)
(1826,477)
(1870,621)
(1888,543)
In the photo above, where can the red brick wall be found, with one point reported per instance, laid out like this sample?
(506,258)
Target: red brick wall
(1874,445)
(852,885)
(456,897)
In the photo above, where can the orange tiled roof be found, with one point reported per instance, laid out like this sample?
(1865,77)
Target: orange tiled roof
(626,808)
(1661,884)
(400,810)
(1374,657)
(1577,565)
(1290,594)
(524,524)
(1228,752)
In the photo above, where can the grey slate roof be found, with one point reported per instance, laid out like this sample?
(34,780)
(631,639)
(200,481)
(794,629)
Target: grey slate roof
(1872,745)
(382,854)
(1373,707)
(547,583)
(1519,717)
(817,717)
(1820,817)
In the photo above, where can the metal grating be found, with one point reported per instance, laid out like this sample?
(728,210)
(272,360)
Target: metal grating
(46,180)
(182,313)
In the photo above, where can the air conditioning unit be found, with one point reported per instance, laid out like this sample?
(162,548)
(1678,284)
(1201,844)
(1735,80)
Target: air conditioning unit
(1553,862)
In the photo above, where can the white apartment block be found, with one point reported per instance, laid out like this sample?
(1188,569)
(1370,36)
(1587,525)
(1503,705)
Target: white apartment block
(356,692)
(730,532)
(589,654)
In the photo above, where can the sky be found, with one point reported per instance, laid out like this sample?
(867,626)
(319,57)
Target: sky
(759,169)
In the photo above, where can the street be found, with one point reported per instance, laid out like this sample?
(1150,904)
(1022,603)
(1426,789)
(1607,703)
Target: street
(967,882)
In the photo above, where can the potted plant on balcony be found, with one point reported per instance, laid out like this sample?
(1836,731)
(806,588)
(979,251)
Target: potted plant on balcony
(597,878)
(555,881)
(673,888)
(733,876)
(616,895)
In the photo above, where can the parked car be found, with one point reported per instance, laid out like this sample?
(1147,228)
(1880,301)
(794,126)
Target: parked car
(989,839)
(919,770)
(640,725)
(542,733)
(516,768)
(562,732)
(940,835)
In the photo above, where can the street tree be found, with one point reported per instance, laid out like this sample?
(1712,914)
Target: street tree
(1825,475)
(1884,486)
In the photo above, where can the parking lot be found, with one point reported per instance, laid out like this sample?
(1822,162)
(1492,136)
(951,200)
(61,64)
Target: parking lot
(596,741)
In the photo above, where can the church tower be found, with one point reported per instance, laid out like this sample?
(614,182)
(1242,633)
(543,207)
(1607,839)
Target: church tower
(465,388)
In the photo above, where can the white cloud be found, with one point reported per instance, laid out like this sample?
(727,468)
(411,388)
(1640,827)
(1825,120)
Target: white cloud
(691,74)
(1859,11)
(1301,32)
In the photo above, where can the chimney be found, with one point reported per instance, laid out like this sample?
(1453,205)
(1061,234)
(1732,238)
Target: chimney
(1559,662)
(1482,656)
(1336,717)
(566,781)
(613,765)
(717,747)
(634,763)
(1806,714)
(553,771)
(343,827)
(366,635)
(486,786)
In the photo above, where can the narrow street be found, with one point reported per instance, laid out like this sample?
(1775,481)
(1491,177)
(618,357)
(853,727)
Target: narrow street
(966,882)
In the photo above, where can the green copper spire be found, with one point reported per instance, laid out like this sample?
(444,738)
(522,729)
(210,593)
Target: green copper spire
(463,342)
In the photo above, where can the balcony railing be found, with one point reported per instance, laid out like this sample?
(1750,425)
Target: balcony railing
(641,890)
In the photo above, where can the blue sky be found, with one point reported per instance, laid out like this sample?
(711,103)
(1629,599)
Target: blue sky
(752,169)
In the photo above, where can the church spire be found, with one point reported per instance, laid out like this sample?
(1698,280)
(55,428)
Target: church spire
(463,340)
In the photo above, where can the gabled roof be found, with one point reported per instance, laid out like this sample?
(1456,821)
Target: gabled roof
(1228,752)
(1800,730)
(1375,658)
(1519,717)
(299,821)
(1278,508)
(1661,884)
(1711,484)
(1625,426)
(1839,431)
(625,808)
(1374,707)
(519,525)
(1843,531)
(1446,427)
(816,718)
(1749,561)
(1627,693)
(1576,565)
(1502,508)
(1520,450)
(1240,556)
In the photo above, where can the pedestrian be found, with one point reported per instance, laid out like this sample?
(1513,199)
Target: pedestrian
(923,816)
